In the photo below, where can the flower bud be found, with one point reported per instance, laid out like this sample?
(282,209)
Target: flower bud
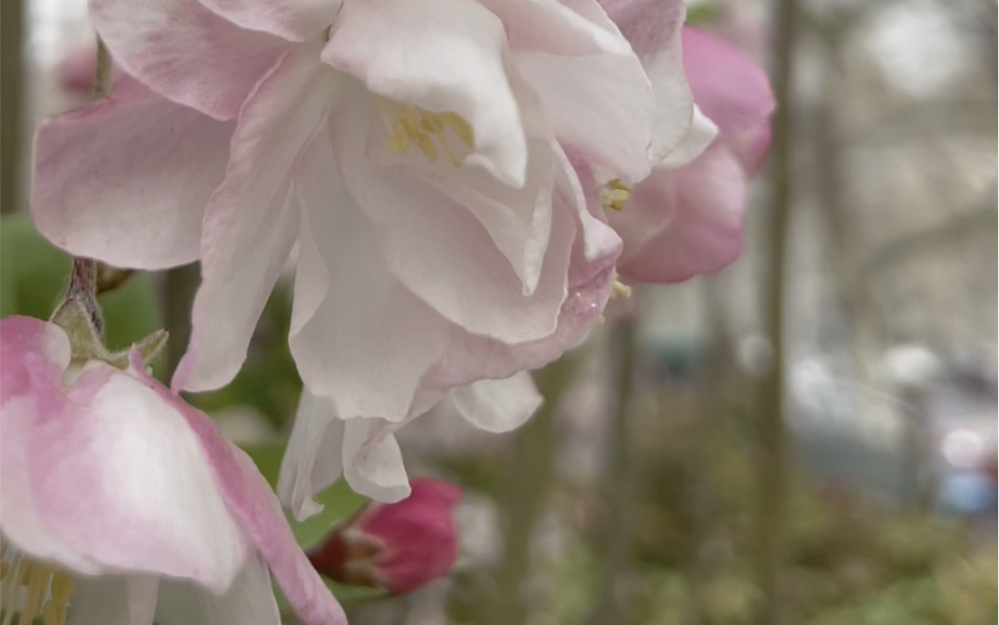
(399,546)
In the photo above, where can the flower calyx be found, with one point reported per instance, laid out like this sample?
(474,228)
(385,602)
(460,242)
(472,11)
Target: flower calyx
(79,315)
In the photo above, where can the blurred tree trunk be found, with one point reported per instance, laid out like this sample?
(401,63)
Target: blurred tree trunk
(772,477)
(526,487)
(618,484)
(11,103)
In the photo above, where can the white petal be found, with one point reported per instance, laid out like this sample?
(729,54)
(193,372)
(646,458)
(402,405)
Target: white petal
(498,405)
(441,55)
(701,132)
(313,459)
(369,342)
(250,225)
(373,462)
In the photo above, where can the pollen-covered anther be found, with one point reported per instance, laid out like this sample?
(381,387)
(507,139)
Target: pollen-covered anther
(32,589)
(614,194)
(620,289)
(408,124)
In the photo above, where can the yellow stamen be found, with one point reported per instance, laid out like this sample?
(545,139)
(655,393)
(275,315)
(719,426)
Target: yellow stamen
(408,124)
(619,289)
(25,587)
(614,194)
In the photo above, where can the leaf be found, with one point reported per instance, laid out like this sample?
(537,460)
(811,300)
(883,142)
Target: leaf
(34,274)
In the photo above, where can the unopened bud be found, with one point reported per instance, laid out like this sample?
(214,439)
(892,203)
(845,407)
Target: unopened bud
(398,547)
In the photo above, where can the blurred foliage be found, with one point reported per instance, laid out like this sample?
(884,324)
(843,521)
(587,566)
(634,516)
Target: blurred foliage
(268,381)
(849,559)
(34,274)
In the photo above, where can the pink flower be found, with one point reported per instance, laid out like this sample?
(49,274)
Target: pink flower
(415,150)
(687,221)
(124,504)
(399,546)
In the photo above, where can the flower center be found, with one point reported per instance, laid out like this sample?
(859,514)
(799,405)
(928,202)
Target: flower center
(33,589)
(614,194)
(409,125)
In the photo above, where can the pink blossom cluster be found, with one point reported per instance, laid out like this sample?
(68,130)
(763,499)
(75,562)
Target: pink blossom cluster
(458,184)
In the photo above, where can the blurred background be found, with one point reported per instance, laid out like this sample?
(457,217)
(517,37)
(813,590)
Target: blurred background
(809,437)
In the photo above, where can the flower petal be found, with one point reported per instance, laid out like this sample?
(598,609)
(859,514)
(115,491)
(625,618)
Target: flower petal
(185,52)
(374,464)
(472,357)
(295,20)
(249,601)
(699,208)
(313,459)
(370,340)
(551,26)
(116,471)
(462,275)
(732,90)
(251,223)
(252,502)
(517,219)
(601,105)
(441,55)
(653,29)
(133,194)
(498,405)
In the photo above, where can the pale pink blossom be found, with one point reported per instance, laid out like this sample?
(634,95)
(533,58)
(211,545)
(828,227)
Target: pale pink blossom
(398,546)
(687,221)
(121,503)
(416,152)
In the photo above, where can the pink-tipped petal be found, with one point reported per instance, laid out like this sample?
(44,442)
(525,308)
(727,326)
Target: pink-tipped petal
(295,20)
(126,180)
(185,52)
(699,207)
(259,514)
(733,91)
(116,471)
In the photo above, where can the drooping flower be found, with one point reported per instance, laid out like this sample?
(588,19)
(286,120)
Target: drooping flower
(687,221)
(399,546)
(416,152)
(121,503)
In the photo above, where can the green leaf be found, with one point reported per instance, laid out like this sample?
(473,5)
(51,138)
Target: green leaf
(34,274)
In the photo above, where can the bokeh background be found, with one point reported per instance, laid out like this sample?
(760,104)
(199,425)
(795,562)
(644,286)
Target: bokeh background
(809,437)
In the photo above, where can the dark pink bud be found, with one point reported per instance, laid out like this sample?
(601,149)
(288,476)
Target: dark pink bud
(399,546)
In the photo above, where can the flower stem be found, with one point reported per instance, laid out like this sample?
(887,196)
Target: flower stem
(83,289)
